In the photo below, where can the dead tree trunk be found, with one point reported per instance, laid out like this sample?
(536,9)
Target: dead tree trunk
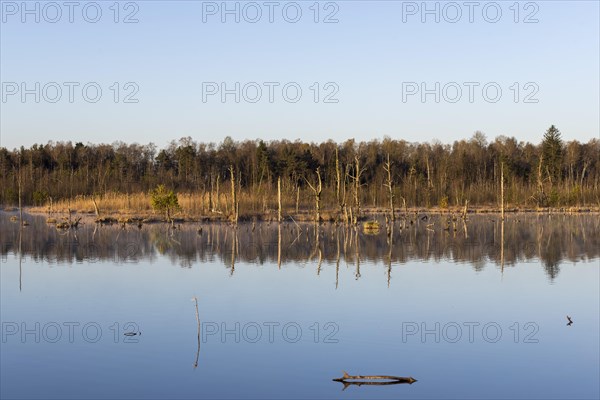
(237,197)
(96,206)
(338,183)
(317,188)
(297,197)
(464,213)
(234,208)
(20,192)
(356,177)
(502,189)
(357,190)
(388,168)
(337,175)
(429,183)
(279,199)
(344,205)
(218,199)
(585,166)
(540,179)
(211,206)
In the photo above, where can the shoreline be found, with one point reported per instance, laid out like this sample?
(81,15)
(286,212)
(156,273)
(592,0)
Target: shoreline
(144,217)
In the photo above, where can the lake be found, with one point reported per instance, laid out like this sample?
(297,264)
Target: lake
(474,309)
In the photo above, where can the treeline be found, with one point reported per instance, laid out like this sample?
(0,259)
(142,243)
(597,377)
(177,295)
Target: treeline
(351,174)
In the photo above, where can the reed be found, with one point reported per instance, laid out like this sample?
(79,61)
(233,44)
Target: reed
(253,205)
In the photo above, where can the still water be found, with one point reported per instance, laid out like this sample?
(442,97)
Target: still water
(471,310)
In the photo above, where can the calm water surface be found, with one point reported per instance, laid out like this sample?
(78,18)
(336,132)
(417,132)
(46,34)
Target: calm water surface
(475,310)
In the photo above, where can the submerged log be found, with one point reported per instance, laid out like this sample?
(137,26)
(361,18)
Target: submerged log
(359,380)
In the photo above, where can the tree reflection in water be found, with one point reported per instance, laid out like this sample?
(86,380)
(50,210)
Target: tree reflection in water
(548,239)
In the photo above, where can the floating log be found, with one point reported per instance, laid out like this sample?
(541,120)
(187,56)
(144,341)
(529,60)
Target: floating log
(106,220)
(62,225)
(360,380)
(371,227)
(68,223)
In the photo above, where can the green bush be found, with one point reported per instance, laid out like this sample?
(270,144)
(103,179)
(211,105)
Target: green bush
(164,200)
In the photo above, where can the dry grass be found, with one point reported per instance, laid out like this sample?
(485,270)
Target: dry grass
(110,203)
(194,206)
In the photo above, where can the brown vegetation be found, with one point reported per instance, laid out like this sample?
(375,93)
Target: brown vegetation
(328,181)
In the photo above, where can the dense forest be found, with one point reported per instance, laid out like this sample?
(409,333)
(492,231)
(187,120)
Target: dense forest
(340,176)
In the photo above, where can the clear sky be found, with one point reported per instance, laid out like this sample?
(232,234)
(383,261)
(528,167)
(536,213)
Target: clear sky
(375,61)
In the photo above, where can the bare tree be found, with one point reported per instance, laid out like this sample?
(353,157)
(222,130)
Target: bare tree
(317,189)
(358,171)
(234,200)
(279,199)
(390,185)
(502,189)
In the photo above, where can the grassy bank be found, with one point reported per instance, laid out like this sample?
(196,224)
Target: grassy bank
(197,207)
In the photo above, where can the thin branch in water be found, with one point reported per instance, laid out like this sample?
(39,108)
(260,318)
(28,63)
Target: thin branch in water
(198,321)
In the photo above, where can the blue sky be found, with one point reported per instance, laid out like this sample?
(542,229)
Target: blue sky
(370,58)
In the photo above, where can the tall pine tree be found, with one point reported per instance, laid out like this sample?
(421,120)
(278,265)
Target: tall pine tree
(552,151)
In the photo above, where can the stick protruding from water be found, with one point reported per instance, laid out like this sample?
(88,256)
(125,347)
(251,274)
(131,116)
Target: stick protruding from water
(198,321)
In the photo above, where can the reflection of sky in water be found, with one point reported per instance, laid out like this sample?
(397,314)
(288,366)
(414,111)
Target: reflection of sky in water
(156,295)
